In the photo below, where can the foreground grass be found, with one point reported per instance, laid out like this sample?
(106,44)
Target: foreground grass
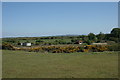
(21,64)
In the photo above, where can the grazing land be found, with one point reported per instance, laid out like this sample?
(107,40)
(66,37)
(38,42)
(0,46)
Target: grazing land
(23,64)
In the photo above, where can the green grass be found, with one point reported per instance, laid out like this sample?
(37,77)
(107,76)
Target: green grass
(21,64)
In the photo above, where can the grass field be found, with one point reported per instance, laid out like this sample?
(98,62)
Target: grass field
(21,64)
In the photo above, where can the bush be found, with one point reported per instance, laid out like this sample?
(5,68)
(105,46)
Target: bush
(114,47)
(7,46)
(95,48)
(61,48)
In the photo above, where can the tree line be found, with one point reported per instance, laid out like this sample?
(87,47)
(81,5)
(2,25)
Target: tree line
(112,37)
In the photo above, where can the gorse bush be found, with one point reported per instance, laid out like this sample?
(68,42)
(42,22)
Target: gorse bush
(7,46)
(95,48)
(65,48)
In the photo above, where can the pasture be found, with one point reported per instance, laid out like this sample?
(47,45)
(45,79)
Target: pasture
(22,64)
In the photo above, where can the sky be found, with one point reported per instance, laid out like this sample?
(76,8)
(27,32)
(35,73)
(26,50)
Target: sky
(35,19)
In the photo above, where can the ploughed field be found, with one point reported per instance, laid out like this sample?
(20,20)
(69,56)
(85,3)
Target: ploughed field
(23,64)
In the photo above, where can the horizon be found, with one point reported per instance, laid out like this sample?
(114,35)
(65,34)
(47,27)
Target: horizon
(51,35)
(37,19)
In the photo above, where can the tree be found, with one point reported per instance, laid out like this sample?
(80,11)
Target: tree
(39,41)
(73,40)
(27,41)
(18,43)
(85,38)
(88,42)
(115,32)
(107,36)
(91,36)
(101,36)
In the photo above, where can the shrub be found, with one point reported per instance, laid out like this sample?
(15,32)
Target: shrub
(114,47)
(95,48)
(60,48)
(7,46)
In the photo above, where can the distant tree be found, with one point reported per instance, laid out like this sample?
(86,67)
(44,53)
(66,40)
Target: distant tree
(27,41)
(60,41)
(114,39)
(11,40)
(100,36)
(91,36)
(107,36)
(115,32)
(88,42)
(52,37)
(85,38)
(18,43)
(39,41)
(96,39)
(73,40)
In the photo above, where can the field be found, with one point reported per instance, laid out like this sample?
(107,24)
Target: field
(21,64)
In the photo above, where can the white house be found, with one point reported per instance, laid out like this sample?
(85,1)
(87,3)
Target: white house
(26,44)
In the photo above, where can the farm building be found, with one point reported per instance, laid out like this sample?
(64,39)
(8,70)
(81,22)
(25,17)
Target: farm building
(79,42)
(26,44)
(99,43)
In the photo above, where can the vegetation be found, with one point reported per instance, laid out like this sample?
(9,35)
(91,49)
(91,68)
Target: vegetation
(84,60)
(62,48)
(21,64)
(7,46)
(69,43)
